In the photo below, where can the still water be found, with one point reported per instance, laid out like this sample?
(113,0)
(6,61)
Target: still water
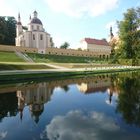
(98,107)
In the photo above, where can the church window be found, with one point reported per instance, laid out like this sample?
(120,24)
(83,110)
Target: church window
(33,37)
(37,27)
(32,27)
(41,37)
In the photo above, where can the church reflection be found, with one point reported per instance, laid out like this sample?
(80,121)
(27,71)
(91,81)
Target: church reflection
(35,95)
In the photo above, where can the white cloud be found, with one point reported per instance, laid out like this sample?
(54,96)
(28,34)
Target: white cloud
(78,8)
(3,134)
(78,126)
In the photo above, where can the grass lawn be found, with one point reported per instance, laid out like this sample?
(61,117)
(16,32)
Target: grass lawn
(63,59)
(23,66)
(9,57)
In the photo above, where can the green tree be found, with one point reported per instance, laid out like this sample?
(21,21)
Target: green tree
(52,43)
(129,35)
(3,29)
(65,45)
(7,30)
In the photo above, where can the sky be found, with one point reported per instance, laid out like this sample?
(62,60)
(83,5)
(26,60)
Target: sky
(71,20)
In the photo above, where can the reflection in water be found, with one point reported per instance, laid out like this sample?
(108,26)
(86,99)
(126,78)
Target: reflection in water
(34,97)
(76,125)
(8,105)
(129,99)
(86,118)
(37,94)
(3,134)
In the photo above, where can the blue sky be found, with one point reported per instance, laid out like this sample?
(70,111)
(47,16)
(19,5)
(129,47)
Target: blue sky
(71,20)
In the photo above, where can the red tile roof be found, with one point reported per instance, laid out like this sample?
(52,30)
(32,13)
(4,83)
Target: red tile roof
(96,41)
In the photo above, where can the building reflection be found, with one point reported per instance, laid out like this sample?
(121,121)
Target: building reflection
(35,95)
(96,84)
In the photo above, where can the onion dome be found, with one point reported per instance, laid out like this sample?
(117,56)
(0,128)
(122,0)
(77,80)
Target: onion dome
(35,20)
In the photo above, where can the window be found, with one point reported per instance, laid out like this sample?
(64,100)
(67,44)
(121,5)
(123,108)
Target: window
(32,27)
(33,37)
(41,37)
(37,27)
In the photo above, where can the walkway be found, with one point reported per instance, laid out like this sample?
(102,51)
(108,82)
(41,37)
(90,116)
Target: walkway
(11,72)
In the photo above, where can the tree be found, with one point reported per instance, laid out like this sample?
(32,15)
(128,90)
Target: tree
(52,43)
(7,30)
(3,30)
(129,35)
(65,45)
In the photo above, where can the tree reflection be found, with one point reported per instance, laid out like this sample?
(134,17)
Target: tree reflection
(8,105)
(129,98)
(65,88)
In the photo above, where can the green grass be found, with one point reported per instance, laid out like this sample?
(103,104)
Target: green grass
(22,66)
(9,57)
(64,59)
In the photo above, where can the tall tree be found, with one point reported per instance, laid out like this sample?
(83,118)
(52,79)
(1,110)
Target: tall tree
(129,34)
(7,30)
(65,45)
(3,29)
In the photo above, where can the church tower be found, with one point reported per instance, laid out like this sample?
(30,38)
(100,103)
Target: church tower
(19,29)
(111,33)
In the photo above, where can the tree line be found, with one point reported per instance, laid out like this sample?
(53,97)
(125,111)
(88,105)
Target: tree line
(7,30)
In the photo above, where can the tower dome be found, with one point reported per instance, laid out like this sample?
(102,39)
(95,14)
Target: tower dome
(35,20)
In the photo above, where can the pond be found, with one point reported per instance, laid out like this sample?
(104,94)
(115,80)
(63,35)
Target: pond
(100,107)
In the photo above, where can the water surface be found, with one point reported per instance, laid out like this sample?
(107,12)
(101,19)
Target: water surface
(98,107)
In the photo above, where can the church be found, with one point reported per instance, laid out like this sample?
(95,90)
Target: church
(35,35)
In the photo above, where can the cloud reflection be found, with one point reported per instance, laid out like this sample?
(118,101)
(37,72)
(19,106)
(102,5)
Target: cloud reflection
(3,134)
(76,125)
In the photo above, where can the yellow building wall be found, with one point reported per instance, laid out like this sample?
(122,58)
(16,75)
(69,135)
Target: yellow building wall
(55,51)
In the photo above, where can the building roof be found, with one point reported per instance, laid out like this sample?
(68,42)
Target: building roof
(36,20)
(96,41)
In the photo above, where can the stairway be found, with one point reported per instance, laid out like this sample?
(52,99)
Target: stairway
(24,56)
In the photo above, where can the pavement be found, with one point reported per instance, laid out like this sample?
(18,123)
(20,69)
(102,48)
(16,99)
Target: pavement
(63,69)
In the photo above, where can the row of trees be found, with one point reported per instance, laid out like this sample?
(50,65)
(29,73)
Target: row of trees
(128,46)
(7,30)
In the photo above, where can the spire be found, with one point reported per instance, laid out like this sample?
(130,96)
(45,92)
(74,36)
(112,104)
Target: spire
(21,114)
(18,17)
(111,33)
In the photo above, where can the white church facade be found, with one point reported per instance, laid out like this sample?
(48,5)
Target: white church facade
(35,36)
